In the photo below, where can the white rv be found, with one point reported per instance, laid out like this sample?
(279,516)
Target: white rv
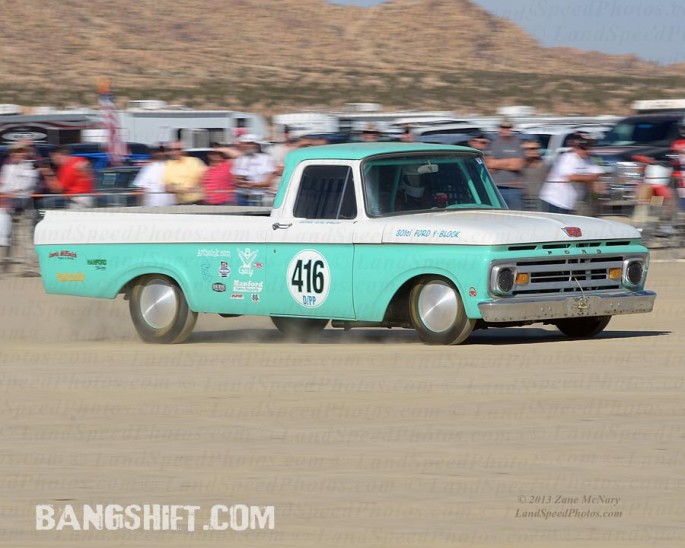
(152,122)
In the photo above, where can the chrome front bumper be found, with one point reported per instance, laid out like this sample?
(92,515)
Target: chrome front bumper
(551,308)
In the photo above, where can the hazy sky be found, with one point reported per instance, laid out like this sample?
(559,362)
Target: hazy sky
(652,29)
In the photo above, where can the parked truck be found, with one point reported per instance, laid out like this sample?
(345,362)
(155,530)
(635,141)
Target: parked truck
(657,135)
(406,235)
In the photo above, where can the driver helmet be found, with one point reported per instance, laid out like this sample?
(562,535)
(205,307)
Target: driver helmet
(412,183)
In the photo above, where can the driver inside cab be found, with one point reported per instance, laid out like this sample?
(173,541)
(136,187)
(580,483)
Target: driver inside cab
(414,192)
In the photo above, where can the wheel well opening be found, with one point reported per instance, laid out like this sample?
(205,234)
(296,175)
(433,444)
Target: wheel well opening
(398,308)
(126,288)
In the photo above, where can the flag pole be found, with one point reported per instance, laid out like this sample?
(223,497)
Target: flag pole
(116,148)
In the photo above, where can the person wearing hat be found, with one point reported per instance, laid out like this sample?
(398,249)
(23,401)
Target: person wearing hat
(254,172)
(570,182)
(505,162)
(479,141)
(18,179)
(370,133)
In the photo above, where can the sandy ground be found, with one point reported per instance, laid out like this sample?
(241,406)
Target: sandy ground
(365,438)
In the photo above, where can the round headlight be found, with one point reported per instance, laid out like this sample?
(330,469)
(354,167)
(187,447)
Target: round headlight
(505,280)
(634,272)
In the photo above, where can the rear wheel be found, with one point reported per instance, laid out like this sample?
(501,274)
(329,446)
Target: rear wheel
(299,329)
(581,328)
(159,310)
(437,312)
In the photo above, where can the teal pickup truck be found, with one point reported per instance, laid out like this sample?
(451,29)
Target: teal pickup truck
(361,235)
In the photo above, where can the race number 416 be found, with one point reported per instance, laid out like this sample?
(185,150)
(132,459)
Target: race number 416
(309,278)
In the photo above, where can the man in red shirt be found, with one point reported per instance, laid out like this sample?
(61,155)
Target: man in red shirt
(74,178)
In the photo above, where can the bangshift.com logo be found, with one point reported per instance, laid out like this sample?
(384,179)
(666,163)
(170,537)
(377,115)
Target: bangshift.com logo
(153,517)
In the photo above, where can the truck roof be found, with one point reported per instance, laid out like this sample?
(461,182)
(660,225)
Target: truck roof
(359,151)
(354,151)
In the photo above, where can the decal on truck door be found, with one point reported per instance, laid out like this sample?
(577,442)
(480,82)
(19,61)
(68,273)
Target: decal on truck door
(309,278)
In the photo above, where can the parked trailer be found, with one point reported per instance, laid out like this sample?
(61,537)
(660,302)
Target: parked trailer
(54,129)
(196,128)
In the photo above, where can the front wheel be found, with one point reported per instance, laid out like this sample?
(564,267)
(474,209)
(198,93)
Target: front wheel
(299,329)
(437,312)
(582,328)
(159,310)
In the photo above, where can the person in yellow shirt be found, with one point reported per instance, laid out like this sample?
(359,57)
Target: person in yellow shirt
(183,175)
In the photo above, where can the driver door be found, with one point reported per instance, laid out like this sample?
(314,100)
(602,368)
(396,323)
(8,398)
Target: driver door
(311,253)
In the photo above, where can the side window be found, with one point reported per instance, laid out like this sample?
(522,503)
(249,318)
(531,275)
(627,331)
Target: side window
(326,192)
(567,139)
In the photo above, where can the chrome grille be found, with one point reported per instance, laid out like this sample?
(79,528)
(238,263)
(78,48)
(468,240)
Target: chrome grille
(568,275)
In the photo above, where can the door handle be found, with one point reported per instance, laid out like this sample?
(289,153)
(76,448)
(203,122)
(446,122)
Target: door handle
(276,226)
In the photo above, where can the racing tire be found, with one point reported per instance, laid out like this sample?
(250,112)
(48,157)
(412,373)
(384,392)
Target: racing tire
(299,329)
(159,310)
(582,328)
(437,312)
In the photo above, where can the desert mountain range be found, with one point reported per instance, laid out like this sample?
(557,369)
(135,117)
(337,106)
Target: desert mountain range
(266,53)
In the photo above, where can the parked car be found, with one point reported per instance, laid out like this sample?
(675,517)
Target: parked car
(96,153)
(459,139)
(113,186)
(445,129)
(554,139)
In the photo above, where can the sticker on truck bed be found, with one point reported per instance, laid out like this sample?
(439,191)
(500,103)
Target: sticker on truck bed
(309,278)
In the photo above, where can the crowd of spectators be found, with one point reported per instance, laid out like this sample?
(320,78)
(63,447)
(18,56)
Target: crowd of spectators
(235,174)
(526,183)
(241,173)
(60,181)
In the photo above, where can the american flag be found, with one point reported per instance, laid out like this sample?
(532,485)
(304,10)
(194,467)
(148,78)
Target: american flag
(116,148)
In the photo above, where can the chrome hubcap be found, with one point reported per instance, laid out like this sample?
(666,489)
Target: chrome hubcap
(158,304)
(438,307)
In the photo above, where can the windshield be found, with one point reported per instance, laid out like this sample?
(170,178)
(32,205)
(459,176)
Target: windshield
(417,182)
(643,132)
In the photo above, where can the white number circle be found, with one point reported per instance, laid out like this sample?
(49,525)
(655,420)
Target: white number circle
(309,278)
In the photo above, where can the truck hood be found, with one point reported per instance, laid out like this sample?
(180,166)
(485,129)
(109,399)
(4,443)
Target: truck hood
(499,227)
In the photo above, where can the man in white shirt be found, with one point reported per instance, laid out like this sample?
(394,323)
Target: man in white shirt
(571,179)
(151,180)
(254,171)
(18,179)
